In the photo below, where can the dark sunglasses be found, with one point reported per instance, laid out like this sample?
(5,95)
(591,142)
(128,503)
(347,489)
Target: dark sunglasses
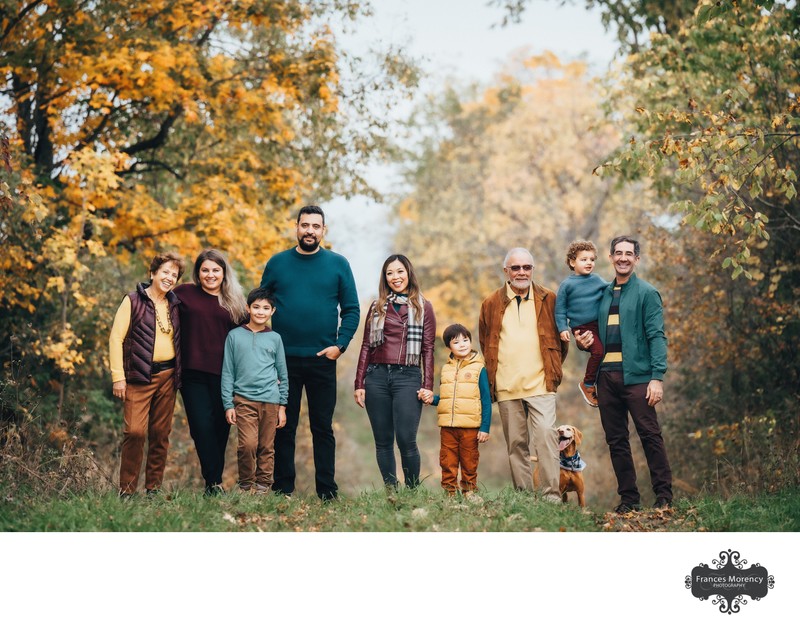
(523,267)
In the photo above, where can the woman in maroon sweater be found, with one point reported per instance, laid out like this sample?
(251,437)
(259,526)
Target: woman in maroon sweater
(209,309)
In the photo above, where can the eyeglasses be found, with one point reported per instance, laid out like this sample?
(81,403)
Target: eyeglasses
(516,268)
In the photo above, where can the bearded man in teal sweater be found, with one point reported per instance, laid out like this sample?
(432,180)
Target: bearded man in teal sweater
(313,289)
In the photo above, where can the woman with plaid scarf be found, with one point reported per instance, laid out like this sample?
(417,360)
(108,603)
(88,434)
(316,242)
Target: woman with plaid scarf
(395,367)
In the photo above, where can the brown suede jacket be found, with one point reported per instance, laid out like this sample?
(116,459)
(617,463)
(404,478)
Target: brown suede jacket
(554,351)
(393,348)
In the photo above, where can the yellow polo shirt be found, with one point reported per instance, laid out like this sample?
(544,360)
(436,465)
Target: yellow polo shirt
(520,368)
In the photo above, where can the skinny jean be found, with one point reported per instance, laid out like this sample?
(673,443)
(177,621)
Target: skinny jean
(202,398)
(394,412)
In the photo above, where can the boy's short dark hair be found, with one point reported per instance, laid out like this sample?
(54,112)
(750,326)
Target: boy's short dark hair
(453,331)
(579,246)
(261,293)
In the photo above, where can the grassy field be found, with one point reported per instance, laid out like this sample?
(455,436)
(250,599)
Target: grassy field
(407,511)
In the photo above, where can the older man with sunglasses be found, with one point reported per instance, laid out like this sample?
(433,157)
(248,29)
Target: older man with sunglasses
(523,353)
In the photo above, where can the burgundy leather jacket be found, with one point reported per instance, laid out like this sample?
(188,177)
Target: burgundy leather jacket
(393,349)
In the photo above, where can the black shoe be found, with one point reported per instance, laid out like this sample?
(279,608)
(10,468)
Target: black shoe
(125,496)
(152,493)
(662,504)
(627,508)
(214,491)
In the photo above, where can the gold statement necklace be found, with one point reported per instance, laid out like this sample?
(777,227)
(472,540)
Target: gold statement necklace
(167,330)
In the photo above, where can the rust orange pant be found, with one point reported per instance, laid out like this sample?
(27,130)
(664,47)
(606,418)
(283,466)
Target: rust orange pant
(256,423)
(148,415)
(459,448)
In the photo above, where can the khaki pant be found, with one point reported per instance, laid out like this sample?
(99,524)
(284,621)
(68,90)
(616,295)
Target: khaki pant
(459,446)
(256,423)
(148,411)
(529,428)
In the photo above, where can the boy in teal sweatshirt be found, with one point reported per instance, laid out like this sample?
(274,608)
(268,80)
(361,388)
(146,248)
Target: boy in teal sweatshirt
(577,301)
(255,389)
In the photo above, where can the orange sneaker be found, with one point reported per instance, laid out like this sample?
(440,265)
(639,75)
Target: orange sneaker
(589,394)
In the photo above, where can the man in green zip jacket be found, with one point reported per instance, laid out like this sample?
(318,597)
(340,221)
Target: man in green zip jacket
(631,325)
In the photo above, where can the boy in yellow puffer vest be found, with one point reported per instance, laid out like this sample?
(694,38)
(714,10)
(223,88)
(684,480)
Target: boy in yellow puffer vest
(464,409)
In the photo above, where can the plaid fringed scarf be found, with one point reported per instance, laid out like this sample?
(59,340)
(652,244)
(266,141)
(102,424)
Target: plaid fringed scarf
(416,320)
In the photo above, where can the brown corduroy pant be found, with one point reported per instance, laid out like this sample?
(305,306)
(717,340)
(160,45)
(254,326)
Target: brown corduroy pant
(459,446)
(148,411)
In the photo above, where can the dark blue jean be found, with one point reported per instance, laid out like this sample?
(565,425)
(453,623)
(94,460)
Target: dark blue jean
(394,411)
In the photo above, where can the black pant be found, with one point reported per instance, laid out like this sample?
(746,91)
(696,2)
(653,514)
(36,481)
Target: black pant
(616,400)
(394,412)
(318,376)
(202,399)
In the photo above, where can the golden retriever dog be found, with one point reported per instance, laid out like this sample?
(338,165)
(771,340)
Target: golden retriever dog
(571,478)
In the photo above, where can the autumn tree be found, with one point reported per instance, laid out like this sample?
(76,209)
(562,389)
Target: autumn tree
(713,113)
(132,127)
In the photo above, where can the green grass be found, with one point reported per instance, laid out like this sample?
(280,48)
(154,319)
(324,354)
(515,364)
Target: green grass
(407,511)
(778,512)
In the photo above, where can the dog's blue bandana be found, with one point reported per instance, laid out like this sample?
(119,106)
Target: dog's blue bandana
(574,463)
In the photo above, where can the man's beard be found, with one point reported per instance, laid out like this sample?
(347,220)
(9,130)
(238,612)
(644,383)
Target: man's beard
(305,246)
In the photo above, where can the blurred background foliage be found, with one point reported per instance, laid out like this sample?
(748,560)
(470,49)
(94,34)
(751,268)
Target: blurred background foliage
(130,128)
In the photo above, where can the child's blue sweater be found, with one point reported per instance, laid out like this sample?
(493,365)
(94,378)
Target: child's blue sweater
(254,366)
(577,300)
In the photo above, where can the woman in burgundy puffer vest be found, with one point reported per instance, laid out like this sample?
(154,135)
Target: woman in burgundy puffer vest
(144,348)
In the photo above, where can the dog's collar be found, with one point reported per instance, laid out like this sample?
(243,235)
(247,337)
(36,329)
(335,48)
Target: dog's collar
(573,462)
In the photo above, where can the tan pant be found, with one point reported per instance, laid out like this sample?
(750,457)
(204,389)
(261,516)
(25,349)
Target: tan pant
(256,423)
(148,411)
(529,428)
